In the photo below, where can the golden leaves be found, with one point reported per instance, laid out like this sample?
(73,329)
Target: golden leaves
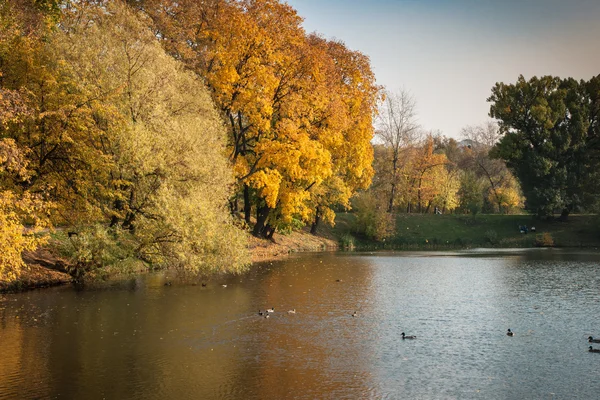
(298,107)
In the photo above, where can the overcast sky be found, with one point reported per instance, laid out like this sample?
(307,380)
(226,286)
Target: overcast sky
(449,53)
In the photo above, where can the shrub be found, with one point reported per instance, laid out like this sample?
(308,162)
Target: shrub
(371,218)
(544,240)
(347,241)
(491,236)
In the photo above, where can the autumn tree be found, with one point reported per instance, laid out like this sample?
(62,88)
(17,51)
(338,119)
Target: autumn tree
(423,182)
(115,135)
(23,211)
(168,175)
(296,106)
(398,130)
(503,190)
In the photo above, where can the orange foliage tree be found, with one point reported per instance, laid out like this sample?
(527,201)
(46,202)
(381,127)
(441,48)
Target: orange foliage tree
(298,107)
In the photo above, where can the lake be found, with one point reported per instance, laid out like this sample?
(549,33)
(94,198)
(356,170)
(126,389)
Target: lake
(140,339)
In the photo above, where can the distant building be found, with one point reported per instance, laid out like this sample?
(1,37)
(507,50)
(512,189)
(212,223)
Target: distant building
(467,143)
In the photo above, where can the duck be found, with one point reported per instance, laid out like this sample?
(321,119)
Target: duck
(404,336)
(354,314)
(592,340)
(510,333)
(267,316)
(261,312)
(593,350)
(224,285)
(272,309)
(292,311)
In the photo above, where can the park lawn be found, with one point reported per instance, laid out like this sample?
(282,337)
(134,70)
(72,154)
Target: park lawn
(429,231)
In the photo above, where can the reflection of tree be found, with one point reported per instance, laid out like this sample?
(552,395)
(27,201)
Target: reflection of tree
(107,342)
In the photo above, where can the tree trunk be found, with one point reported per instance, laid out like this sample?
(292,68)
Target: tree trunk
(392,195)
(315,224)
(269,232)
(247,204)
(393,191)
(233,205)
(261,228)
(564,215)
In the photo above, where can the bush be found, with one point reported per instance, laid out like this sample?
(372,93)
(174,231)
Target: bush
(371,218)
(97,249)
(347,241)
(544,240)
(491,236)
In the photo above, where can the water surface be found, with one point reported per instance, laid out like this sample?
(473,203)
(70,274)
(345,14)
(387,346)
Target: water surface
(139,339)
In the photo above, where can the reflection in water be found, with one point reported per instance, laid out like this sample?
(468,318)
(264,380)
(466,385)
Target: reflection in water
(140,339)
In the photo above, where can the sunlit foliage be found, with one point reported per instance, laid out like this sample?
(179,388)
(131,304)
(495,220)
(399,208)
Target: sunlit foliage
(298,107)
(111,131)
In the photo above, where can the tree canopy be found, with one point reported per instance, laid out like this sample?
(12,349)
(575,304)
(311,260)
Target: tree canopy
(550,139)
(115,139)
(298,107)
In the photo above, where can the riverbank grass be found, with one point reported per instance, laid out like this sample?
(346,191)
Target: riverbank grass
(430,232)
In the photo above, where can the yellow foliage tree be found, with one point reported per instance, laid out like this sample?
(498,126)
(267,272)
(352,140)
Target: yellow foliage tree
(15,209)
(427,169)
(170,177)
(297,107)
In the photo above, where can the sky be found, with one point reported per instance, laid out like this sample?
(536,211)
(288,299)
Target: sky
(449,53)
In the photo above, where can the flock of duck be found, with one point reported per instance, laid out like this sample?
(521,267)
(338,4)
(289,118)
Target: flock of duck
(509,332)
(267,313)
(590,340)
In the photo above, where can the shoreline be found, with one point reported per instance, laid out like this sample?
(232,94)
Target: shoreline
(43,269)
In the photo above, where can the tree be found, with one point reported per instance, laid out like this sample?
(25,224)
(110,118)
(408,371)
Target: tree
(168,175)
(502,188)
(23,211)
(470,193)
(398,130)
(15,208)
(297,107)
(548,124)
(426,170)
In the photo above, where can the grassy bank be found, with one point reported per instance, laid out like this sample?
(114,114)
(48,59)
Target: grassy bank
(430,232)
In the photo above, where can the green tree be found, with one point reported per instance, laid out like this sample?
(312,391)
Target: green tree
(470,193)
(548,125)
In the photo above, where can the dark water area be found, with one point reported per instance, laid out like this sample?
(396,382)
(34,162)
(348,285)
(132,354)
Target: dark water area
(139,339)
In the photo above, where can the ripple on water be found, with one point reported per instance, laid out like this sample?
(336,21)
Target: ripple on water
(191,342)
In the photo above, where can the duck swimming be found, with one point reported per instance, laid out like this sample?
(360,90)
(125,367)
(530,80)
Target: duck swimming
(510,333)
(354,314)
(292,311)
(408,337)
(593,350)
(592,340)
(272,309)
